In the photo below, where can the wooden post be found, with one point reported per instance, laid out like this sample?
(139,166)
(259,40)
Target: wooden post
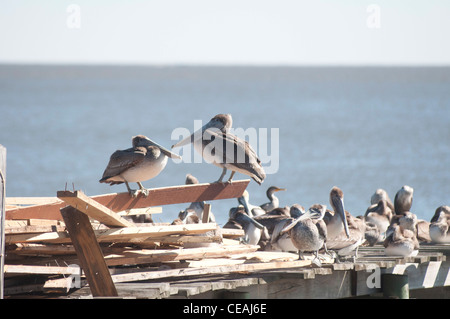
(2,215)
(206,211)
(89,252)
(395,286)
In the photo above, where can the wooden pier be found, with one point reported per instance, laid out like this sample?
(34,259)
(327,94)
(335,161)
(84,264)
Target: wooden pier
(79,246)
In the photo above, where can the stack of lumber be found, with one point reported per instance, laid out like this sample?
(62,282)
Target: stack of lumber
(49,247)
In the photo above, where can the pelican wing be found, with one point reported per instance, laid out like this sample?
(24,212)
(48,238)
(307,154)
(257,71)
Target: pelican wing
(122,160)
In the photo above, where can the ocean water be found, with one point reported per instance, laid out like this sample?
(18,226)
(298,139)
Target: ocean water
(355,127)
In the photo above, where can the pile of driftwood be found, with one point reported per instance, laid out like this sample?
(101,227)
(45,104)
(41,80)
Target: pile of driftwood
(58,245)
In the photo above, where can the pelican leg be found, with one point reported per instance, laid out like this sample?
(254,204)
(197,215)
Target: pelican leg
(316,261)
(130,191)
(300,255)
(231,176)
(224,171)
(142,189)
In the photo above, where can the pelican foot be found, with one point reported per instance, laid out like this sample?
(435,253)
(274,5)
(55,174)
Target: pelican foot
(134,192)
(145,192)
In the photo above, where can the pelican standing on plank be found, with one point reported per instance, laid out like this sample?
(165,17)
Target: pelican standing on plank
(274,202)
(218,146)
(440,225)
(345,233)
(144,161)
(305,233)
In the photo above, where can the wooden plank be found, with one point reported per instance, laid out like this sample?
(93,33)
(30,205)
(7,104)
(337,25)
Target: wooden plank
(42,270)
(93,209)
(141,211)
(126,234)
(89,252)
(154,256)
(157,197)
(241,268)
(17,201)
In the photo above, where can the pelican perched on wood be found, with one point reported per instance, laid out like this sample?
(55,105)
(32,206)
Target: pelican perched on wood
(381,194)
(306,234)
(145,160)
(345,233)
(400,241)
(252,210)
(380,216)
(274,202)
(218,146)
(440,225)
(403,200)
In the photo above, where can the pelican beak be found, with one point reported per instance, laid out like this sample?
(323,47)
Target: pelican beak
(339,204)
(166,152)
(197,135)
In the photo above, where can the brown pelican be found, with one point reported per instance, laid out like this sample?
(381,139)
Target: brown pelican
(198,207)
(307,235)
(403,200)
(218,146)
(400,242)
(440,225)
(253,230)
(252,210)
(145,160)
(381,194)
(379,215)
(282,241)
(344,233)
(274,202)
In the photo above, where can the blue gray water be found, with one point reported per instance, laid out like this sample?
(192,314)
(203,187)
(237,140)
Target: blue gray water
(357,128)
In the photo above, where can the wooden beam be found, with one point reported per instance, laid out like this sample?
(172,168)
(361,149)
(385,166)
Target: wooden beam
(157,197)
(114,235)
(206,211)
(93,209)
(16,201)
(89,252)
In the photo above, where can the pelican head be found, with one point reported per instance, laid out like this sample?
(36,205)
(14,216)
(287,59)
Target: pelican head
(220,122)
(238,214)
(141,140)
(296,210)
(337,202)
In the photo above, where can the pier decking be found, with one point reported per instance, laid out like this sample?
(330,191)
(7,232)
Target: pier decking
(76,246)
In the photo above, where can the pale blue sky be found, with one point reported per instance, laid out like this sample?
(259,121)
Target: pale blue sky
(287,32)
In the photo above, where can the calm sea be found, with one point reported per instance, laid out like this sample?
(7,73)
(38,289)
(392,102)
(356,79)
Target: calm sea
(357,128)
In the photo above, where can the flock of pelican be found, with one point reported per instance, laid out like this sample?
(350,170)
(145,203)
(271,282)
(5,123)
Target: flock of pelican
(293,228)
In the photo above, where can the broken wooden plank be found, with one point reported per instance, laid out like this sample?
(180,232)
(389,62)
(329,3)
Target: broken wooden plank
(127,234)
(89,252)
(157,197)
(93,209)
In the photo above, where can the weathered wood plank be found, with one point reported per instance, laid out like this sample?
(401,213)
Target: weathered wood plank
(154,256)
(89,252)
(16,201)
(126,234)
(242,268)
(42,270)
(93,209)
(157,197)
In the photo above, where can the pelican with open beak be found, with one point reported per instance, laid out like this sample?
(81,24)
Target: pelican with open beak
(144,161)
(218,146)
